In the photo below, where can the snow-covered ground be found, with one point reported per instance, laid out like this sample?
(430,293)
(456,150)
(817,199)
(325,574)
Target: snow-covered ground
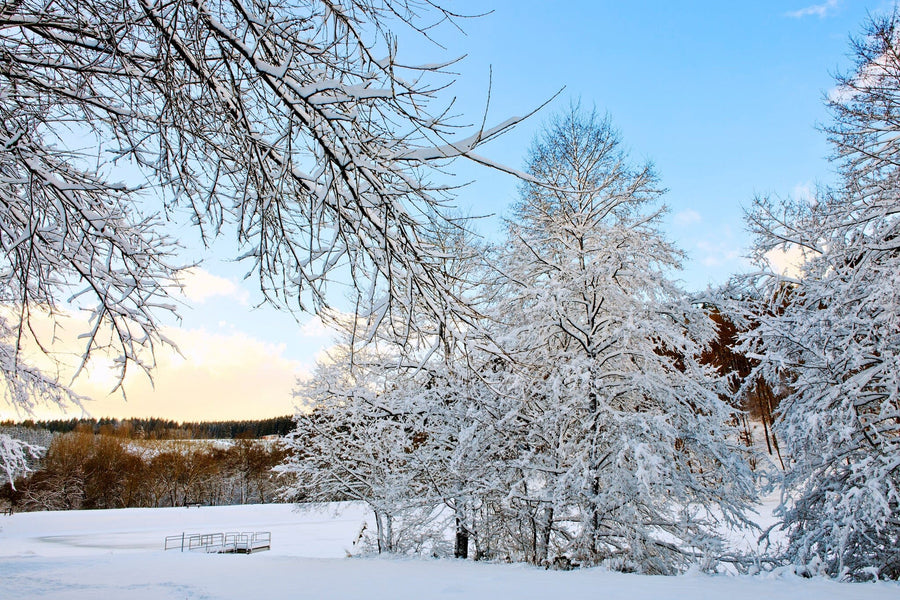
(119,554)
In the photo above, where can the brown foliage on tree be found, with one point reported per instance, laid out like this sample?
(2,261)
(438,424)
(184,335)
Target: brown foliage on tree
(83,470)
(756,400)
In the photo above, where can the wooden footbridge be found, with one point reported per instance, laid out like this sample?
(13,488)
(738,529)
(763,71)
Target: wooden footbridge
(221,543)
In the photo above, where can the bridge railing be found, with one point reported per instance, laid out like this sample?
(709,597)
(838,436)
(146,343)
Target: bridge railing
(243,542)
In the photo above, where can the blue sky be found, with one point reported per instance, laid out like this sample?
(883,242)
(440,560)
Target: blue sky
(724,98)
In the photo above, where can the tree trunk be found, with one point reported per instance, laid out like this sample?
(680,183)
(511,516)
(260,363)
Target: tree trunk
(384,531)
(543,552)
(462,540)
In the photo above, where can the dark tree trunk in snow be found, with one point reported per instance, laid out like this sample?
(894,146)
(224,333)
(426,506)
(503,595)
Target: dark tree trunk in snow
(462,540)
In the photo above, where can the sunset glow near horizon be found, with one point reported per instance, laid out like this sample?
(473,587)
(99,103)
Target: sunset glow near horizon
(724,99)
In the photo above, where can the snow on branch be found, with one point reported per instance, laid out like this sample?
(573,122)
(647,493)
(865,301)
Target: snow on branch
(290,126)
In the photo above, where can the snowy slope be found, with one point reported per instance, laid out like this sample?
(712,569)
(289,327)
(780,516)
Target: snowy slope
(119,554)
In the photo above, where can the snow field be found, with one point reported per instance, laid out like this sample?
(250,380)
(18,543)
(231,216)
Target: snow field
(81,555)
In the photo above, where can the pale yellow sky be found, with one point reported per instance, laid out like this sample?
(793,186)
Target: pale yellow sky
(219,372)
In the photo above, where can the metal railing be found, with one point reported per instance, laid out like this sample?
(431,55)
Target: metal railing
(232,542)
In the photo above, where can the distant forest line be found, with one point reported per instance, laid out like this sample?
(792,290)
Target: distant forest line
(163,429)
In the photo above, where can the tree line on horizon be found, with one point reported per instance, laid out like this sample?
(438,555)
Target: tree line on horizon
(158,428)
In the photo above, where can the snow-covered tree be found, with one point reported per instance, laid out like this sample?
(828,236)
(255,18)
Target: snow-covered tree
(830,334)
(15,455)
(462,454)
(574,420)
(354,440)
(445,394)
(626,454)
(404,414)
(289,126)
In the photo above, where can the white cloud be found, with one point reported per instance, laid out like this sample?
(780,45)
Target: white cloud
(687,217)
(787,261)
(878,68)
(717,254)
(199,285)
(221,375)
(216,376)
(841,94)
(315,328)
(719,248)
(804,191)
(816,10)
